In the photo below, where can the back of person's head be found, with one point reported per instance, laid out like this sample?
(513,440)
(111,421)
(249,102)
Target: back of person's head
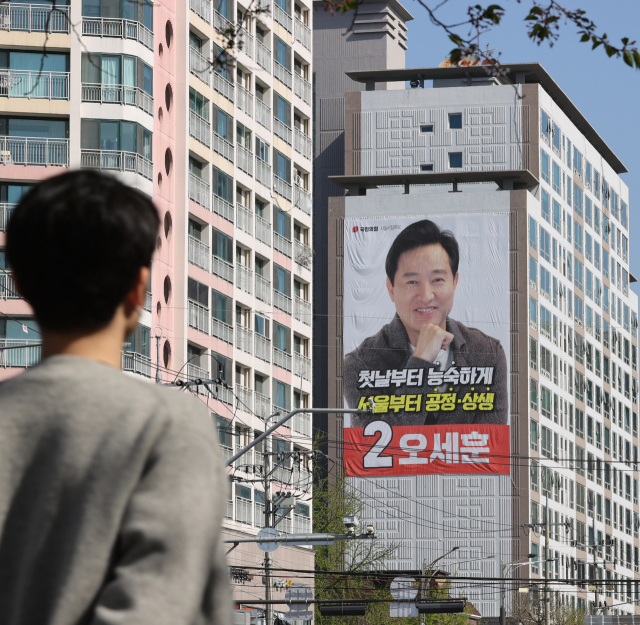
(417,235)
(76,244)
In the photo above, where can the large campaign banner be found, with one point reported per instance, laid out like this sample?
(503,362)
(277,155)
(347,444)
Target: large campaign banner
(426,344)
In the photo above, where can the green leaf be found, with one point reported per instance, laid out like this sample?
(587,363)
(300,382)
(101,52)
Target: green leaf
(610,50)
(628,58)
(585,37)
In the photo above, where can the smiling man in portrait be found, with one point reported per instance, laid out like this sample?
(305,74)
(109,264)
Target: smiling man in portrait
(423,358)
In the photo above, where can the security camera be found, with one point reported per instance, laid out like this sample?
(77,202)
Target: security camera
(350,521)
(371,529)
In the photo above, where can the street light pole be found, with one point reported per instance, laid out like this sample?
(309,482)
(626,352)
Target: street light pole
(515,565)
(424,574)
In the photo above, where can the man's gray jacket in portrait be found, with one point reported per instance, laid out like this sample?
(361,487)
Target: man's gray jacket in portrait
(112,492)
(390,349)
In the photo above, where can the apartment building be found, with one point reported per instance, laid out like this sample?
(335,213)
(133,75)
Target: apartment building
(516,145)
(222,143)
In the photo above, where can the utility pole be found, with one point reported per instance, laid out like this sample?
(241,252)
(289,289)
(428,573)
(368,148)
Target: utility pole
(503,618)
(547,616)
(268,610)
(595,568)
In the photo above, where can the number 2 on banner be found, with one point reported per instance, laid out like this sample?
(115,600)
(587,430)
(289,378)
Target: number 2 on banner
(372,459)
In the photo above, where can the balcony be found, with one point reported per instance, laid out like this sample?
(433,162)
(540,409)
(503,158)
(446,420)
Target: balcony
(302,366)
(245,41)
(223,208)
(244,278)
(265,5)
(282,301)
(199,128)
(283,475)
(302,88)
(281,130)
(262,349)
(24,352)
(301,524)
(199,66)
(244,219)
(34,85)
(244,339)
(229,509)
(113,27)
(262,406)
(137,363)
(199,191)
(222,24)
(148,301)
(222,146)
(31,151)
(283,18)
(34,18)
(263,289)
(245,160)
(263,56)
(194,372)
(263,172)
(282,187)
(263,114)
(114,160)
(302,254)
(198,317)
(281,244)
(118,94)
(263,230)
(222,330)
(244,398)
(244,510)
(302,33)
(303,199)
(302,310)
(224,395)
(282,74)
(302,423)
(223,86)
(202,8)
(303,144)
(222,268)
(199,253)
(245,100)
(6,210)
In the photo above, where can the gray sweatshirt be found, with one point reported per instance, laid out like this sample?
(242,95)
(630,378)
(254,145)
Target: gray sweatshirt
(112,493)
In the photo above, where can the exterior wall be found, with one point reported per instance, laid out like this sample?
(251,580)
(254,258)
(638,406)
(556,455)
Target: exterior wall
(374,39)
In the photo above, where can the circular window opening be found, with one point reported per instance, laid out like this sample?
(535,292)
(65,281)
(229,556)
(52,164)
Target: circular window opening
(158,309)
(168,225)
(166,354)
(167,289)
(159,179)
(168,33)
(160,114)
(168,161)
(168,97)
(160,50)
(159,243)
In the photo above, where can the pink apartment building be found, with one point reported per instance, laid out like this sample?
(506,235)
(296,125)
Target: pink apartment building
(225,153)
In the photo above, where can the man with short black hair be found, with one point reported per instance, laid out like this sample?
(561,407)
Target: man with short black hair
(422,276)
(110,507)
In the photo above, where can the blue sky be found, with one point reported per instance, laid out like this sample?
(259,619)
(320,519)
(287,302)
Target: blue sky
(606,91)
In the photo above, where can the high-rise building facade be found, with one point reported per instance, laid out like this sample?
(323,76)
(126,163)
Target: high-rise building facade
(221,140)
(516,147)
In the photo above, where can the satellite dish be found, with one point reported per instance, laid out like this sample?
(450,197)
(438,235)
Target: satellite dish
(269,532)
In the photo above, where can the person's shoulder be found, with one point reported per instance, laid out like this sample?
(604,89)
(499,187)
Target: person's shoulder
(371,345)
(474,336)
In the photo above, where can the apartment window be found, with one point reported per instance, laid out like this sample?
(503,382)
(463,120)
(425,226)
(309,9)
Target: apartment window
(282,280)
(199,104)
(119,136)
(243,136)
(533,394)
(222,184)
(425,167)
(282,109)
(221,307)
(534,435)
(223,367)
(555,184)
(283,53)
(125,9)
(545,402)
(282,395)
(545,164)
(533,273)
(262,150)
(557,217)
(198,292)
(533,233)
(545,282)
(546,213)
(426,128)
(282,166)
(455,160)
(533,353)
(545,245)
(282,337)
(116,69)
(282,223)
(222,123)
(455,122)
